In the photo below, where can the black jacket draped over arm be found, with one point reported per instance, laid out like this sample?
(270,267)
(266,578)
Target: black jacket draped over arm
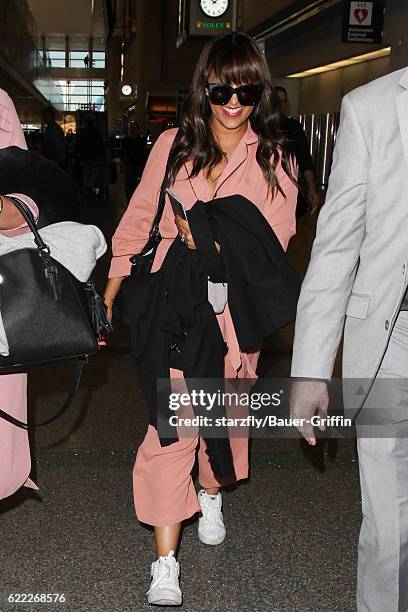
(174,325)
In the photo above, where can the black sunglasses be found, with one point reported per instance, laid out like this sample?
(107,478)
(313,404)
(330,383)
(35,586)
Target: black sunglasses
(221,94)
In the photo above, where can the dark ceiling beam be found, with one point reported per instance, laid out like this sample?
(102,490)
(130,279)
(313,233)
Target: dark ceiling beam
(292,16)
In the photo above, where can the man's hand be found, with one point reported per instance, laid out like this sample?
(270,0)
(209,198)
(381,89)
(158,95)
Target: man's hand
(307,399)
(312,191)
(314,198)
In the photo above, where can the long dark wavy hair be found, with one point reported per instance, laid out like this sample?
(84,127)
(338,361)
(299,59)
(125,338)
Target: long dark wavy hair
(234,58)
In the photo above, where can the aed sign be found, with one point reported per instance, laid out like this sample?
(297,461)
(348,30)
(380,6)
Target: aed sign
(363,21)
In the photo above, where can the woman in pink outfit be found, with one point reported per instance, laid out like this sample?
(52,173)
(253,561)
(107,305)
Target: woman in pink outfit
(231,146)
(15,461)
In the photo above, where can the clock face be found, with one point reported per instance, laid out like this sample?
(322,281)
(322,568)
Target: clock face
(126,90)
(214,8)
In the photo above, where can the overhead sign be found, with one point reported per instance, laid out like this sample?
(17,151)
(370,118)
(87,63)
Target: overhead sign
(363,21)
(212,17)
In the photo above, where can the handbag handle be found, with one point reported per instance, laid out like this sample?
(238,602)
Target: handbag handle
(162,197)
(43,250)
(29,219)
(79,366)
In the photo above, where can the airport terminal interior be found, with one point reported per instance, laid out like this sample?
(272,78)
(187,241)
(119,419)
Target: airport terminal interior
(124,67)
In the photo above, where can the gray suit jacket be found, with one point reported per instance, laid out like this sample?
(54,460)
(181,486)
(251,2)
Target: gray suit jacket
(358,269)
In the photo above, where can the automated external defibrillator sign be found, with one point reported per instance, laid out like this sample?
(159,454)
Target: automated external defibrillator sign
(363,21)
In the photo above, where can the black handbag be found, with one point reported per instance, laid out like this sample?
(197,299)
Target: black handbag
(48,315)
(142,262)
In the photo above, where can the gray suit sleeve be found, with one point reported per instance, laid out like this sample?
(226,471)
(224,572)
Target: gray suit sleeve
(340,232)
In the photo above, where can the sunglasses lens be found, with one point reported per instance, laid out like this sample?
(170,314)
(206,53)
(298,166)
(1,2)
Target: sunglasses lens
(220,94)
(249,95)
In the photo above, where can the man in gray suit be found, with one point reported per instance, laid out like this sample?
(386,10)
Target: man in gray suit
(358,276)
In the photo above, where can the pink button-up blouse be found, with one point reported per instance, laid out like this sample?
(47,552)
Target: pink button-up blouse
(242,175)
(15,462)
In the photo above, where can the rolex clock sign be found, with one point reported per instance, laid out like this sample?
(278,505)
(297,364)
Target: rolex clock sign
(128,91)
(212,17)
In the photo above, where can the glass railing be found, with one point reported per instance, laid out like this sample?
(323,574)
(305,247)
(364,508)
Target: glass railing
(321,132)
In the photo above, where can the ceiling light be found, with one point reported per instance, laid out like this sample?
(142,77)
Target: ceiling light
(357,59)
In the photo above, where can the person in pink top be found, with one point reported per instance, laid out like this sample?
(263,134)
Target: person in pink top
(15,461)
(231,145)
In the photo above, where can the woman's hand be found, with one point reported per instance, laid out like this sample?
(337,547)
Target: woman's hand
(109,307)
(103,337)
(184,230)
(111,291)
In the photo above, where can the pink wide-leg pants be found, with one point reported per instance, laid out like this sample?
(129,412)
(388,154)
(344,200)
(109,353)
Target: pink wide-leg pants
(163,489)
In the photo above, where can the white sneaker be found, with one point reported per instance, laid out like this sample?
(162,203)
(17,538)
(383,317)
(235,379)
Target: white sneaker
(211,528)
(164,588)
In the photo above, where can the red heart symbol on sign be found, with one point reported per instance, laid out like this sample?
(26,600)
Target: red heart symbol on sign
(360,14)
